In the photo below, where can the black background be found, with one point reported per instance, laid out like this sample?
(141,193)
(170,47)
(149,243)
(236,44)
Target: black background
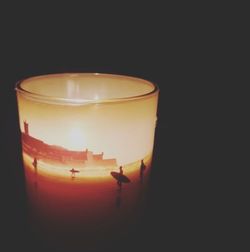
(163,45)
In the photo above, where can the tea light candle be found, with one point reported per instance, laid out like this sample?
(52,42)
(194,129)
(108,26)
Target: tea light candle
(87,142)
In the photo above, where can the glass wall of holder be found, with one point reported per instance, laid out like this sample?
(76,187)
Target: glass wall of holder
(87,144)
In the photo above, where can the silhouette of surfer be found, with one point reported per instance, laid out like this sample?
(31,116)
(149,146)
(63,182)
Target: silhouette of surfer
(119,182)
(142,169)
(120,177)
(35,164)
(73,172)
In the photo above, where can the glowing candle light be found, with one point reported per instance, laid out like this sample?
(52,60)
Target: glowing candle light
(87,142)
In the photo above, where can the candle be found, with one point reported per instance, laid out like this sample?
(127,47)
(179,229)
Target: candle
(87,142)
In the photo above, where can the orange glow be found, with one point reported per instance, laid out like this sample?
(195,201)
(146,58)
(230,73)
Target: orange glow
(87,142)
(79,112)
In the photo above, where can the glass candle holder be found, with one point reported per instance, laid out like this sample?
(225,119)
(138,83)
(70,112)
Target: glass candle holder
(87,144)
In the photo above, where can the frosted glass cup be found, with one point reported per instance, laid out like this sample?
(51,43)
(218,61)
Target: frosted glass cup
(87,144)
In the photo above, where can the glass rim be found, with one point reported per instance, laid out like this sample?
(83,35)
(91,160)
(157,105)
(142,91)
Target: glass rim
(81,101)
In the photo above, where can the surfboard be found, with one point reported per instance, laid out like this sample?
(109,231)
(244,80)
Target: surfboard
(120,177)
(73,170)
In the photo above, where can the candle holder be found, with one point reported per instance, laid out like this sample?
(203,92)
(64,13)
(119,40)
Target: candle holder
(87,144)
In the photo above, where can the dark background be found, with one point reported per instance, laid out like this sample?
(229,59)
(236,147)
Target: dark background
(163,45)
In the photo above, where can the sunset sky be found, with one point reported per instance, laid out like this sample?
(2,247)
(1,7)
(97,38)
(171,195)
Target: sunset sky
(123,130)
